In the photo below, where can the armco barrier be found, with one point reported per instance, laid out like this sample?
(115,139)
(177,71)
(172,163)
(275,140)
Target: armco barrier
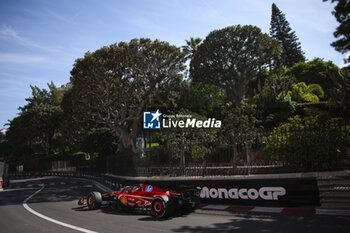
(334,192)
(290,192)
(284,190)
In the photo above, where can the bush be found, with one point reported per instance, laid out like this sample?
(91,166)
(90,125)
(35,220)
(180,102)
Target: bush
(310,143)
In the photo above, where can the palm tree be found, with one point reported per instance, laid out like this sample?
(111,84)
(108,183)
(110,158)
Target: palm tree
(191,47)
(306,93)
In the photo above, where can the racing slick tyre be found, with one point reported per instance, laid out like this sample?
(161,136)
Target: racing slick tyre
(94,200)
(160,208)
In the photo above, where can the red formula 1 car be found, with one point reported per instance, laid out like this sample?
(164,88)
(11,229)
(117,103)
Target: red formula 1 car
(159,202)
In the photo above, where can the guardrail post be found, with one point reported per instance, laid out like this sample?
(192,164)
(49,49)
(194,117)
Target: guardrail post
(248,158)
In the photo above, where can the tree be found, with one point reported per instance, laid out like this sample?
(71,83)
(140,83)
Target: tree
(115,84)
(44,112)
(341,13)
(34,129)
(191,47)
(19,139)
(280,30)
(74,128)
(340,96)
(241,120)
(204,99)
(229,58)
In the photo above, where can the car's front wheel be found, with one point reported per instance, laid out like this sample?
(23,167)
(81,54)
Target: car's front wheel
(94,200)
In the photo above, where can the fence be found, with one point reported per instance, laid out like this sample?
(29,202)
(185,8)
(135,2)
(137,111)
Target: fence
(301,147)
(297,148)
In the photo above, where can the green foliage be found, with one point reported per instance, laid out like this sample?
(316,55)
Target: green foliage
(340,95)
(203,99)
(229,58)
(236,76)
(101,141)
(341,13)
(191,47)
(19,139)
(319,72)
(306,93)
(280,30)
(241,119)
(75,123)
(181,145)
(309,143)
(273,102)
(34,129)
(191,141)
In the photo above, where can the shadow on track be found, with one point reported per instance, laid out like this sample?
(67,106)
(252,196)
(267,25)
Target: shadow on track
(276,223)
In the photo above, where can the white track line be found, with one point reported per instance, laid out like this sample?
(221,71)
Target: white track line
(267,209)
(97,184)
(103,187)
(215,207)
(51,219)
(332,212)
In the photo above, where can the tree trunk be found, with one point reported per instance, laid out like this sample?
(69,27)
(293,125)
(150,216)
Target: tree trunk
(182,153)
(127,140)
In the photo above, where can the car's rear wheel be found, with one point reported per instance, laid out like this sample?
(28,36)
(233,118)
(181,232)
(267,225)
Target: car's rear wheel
(94,200)
(161,208)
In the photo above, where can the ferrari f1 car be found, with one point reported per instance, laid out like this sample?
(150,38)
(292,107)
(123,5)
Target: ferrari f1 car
(159,202)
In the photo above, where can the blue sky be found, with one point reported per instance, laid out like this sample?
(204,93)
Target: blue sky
(40,40)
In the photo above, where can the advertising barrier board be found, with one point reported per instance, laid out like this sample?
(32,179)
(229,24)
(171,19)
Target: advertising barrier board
(274,192)
(291,192)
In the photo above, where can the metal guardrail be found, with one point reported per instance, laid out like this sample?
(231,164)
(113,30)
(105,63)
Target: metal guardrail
(333,190)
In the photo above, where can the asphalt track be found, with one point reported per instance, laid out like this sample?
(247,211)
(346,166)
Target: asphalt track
(55,203)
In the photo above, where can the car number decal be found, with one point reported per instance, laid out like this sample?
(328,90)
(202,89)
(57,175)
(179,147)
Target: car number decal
(149,188)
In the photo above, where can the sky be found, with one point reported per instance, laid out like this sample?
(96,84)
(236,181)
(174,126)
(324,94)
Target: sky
(40,40)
